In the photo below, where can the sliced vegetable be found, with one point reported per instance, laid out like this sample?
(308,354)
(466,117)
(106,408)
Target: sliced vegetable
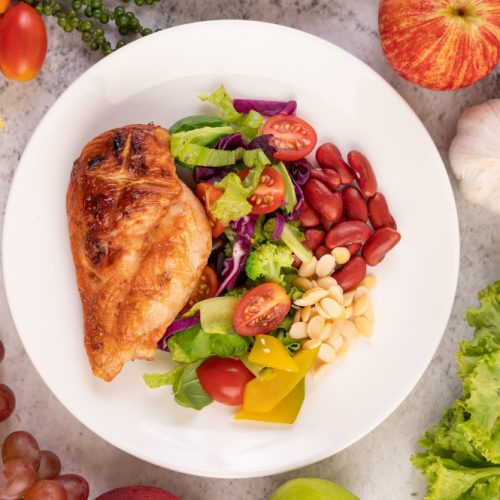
(266,108)
(210,174)
(188,390)
(293,137)
(207,287)
(234,264)
(285,412)
(224,379)
(300,170)
(267,390)
(267,261)
(261,309)
(269,194)
(289,238)
(216,314)
(268,351)
(208,194)
(278,227)
(196,121)
(248,124)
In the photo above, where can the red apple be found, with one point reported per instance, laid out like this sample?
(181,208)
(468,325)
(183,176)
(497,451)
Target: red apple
(441,44)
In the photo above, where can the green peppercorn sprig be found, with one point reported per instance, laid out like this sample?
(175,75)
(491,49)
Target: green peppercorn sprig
(91,17)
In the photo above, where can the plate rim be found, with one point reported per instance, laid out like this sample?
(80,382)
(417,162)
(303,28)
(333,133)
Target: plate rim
(452,286)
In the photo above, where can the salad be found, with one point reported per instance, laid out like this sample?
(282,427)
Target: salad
(286,289)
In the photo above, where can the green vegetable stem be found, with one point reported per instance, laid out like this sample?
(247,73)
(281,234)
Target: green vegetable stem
(93,19)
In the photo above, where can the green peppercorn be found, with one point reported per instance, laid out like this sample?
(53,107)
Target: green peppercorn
(88,11)
(95,4)
(123,30)
(120,44)
(104,18)
(139,3)
(146,32)
(56,8)
(71,14)
(130,15)
(86,36)
(134,24)
(68,28)
(99,32)
(122,21)
(76,4)
(119,11)
(94,46)
(74,22)
(62,21)
(39,9)
(85,25)
(149,2)
(47,10)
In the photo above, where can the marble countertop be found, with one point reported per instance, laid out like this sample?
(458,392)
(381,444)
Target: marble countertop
(377,467)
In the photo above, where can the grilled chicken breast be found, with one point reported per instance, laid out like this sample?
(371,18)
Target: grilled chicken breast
(140,241)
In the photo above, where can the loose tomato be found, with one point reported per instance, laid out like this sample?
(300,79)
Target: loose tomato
(261,309)
(270,192)
(23,43)
(224,379)
(206,288)
(293,137)
(209,194)
(3,5)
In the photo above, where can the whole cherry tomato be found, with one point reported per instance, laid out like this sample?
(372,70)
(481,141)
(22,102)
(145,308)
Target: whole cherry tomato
(23,43)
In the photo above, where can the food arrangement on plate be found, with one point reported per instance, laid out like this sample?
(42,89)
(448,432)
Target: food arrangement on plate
(250,282)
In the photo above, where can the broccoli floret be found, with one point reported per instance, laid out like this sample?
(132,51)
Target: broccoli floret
(291,237)
(267,261)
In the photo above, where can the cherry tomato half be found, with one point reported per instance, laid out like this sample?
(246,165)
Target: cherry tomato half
(3,5)
(23,43)
(206,288)
(208,195)
(224,379)
(270,192)
(261,309)
(292,137)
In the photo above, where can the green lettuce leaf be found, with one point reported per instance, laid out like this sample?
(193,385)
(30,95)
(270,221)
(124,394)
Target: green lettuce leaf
(155,380)
(196,121)
(216,314)
(187,388)
(233,203)
(462,451)
(248,124)
(195,344)
(290,196)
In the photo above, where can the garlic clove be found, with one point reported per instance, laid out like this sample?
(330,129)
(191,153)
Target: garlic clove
(475,154)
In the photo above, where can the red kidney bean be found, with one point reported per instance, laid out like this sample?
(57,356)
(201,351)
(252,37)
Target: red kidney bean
(313,238)
(328,204)
(320,251)
(364,172)
(351,274)
(353,248)
(329,177)
(380,242)
(379,214)
(308,217)
(353,231)
(354,204)
(296,262)
(327,224)
(328,156)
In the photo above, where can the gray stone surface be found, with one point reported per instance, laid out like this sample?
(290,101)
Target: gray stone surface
(377,467)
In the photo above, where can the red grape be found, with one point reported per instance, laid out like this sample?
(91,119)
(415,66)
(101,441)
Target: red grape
(50,465)
(7,402)
(2,351)
(16,478)
(45,489)
(76,486)
(21,444)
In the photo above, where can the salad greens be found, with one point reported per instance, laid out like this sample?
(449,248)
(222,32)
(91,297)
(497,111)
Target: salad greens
(290,195)
(196,121)
(462,457)
(248,124)
(216,314)
(291,237)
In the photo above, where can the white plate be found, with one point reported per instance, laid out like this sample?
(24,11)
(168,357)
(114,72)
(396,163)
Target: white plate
(158,79)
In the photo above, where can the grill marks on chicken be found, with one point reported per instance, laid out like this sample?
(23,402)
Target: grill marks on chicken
(140,240)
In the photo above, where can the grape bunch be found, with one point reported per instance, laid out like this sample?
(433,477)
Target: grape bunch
(28,472)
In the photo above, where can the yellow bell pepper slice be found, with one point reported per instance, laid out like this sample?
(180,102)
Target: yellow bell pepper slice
(271,386)
(285,412)
(269,351)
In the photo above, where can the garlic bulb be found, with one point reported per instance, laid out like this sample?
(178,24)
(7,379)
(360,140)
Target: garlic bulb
(475,154)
